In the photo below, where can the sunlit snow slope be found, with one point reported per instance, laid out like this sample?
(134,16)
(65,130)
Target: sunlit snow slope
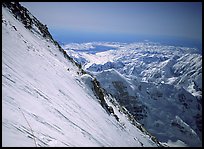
(45,101)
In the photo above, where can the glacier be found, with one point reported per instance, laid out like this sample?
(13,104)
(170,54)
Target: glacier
(157,83)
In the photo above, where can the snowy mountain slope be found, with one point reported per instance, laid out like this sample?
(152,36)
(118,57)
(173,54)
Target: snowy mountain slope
(45,101)
(160,85)
(152,104)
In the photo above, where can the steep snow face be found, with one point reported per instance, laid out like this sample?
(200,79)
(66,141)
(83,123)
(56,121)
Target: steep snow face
(160,85)
(45,102)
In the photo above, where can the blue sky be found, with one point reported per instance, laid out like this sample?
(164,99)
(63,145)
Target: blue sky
(83,20)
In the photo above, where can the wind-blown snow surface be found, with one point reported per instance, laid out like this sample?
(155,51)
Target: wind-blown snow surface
(42,98)
(160,85)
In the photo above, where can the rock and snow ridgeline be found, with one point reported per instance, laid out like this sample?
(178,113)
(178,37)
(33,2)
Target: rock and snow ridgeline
(48,100)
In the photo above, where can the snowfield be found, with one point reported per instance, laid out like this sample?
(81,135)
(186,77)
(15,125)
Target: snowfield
(47,102)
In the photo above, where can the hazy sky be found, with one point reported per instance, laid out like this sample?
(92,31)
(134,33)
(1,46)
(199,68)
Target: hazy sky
(174,19)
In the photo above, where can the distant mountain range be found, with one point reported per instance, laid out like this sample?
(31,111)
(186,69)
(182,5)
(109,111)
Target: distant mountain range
(160,85)
(103,94)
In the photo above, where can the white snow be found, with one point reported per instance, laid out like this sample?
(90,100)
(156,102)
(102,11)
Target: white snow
(165,80)
(39,93)
(177,143)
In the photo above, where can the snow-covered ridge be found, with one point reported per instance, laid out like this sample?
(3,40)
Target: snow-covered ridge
(45,99)
(29,21)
